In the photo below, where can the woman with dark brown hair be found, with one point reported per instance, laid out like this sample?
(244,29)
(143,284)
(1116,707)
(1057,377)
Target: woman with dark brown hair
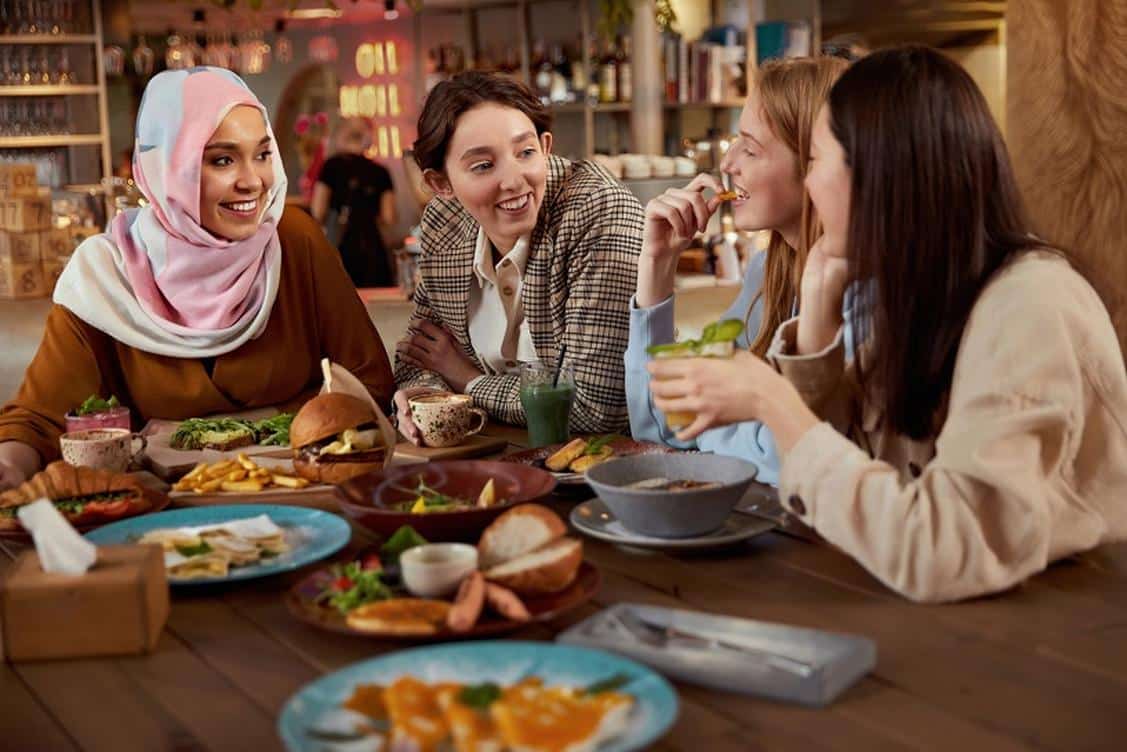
(524,255)
(982,431)
(766,164)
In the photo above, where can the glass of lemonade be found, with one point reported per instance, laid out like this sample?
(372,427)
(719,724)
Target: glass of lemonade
(717,341)
(546,397)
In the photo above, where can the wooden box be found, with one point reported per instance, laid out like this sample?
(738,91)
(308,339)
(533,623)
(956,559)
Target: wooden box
(20,247)
(52,270)
(119,607)
(25,214)
(21,280)
(56,244)
(18,179)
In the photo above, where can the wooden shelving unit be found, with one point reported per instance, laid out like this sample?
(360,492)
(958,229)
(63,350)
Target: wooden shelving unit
(49,39)
(48,90)
(595,117)
(98,88)
(44,142)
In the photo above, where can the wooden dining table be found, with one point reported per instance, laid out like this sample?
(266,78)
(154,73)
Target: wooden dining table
(1043,666)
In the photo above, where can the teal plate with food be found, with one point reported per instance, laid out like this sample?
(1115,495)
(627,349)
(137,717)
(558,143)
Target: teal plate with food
(519,695)
(219,544)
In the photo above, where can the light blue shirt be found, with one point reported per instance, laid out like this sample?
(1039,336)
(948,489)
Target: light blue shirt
(751,441)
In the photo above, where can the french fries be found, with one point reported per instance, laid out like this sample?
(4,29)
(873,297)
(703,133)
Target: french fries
(240,475)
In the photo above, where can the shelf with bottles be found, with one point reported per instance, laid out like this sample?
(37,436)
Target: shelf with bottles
(31,142)
(47,39)
(48,90)
(28,67)
(45,21)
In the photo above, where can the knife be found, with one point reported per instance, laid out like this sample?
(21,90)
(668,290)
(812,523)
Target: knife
(660,635)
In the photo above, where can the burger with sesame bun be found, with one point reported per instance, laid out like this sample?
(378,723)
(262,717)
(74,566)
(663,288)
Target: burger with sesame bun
(337,436)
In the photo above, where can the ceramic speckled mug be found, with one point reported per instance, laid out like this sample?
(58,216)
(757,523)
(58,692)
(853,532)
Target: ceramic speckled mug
(105,448)
(445,420)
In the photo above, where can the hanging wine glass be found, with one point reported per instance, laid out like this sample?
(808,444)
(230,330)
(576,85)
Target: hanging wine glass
(234,53)
(144,58)
(64,74)
(213,54)
(44,66)
(113,59)
(283,47)
(174,55)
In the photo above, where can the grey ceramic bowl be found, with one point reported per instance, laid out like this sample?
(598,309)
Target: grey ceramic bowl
(672,514)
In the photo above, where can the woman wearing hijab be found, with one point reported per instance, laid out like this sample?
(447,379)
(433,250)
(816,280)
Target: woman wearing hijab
(210,299)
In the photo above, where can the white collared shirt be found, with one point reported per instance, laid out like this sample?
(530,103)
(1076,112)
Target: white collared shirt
(498,330)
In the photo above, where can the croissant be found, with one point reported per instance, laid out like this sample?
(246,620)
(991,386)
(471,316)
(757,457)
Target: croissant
(80,487)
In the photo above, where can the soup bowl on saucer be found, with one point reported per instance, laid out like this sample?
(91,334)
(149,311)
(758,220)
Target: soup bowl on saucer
(661,513)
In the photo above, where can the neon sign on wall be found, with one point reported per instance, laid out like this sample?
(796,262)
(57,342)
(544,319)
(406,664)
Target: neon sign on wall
(378,98)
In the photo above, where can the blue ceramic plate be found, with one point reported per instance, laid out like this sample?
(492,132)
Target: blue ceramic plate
(312,534)
(317,706)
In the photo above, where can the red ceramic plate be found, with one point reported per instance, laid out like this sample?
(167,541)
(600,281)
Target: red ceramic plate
(372,500)
(302,603)
(623,446)
(158,501)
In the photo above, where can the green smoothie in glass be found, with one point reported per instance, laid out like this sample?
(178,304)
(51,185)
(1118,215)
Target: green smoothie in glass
(547,400)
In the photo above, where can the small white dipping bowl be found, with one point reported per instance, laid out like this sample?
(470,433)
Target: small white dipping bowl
(435,570)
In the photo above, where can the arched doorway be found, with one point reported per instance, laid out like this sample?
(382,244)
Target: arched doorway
(314,89)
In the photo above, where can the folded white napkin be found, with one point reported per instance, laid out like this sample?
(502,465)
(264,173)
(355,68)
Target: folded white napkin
(252,527)
(61,549)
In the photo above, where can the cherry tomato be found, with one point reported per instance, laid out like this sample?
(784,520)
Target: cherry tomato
(341,584)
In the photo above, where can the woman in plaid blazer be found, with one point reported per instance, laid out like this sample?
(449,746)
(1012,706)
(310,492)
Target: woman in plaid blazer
(500,197)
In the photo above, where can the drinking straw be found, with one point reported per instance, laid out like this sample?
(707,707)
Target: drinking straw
(559,365)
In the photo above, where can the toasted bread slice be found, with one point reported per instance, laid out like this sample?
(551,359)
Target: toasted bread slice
(519,531)
(546,570)
(404,616)
(565,455)
(588,461)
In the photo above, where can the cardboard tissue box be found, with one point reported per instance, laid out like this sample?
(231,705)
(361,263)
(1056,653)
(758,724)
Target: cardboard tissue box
(52,270)
(18,179)
(20,247)
(18,281)
(56,244)
(25,214)
(70,599)
(118,607)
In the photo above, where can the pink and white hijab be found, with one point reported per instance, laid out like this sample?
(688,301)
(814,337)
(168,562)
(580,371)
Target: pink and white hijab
(158,281)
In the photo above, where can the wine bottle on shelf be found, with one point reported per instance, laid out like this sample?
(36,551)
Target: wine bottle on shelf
(625,70)
(560,89)
(579,77)
(541,72)
(608,74)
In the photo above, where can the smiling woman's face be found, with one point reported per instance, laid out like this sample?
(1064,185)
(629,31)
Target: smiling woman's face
(236,175)
(764,173)
(497,167)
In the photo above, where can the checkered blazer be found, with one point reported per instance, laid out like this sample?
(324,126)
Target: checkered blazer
(577,285)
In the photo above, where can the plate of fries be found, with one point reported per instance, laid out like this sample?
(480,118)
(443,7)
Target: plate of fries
(240,475)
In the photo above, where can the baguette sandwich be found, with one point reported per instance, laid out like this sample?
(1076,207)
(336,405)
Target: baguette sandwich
(83,495)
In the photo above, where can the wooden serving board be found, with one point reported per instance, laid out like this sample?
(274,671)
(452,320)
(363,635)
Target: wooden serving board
(169,464)
(472,446)
(321,496)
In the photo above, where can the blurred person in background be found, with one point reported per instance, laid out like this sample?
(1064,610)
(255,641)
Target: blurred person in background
(355,201)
